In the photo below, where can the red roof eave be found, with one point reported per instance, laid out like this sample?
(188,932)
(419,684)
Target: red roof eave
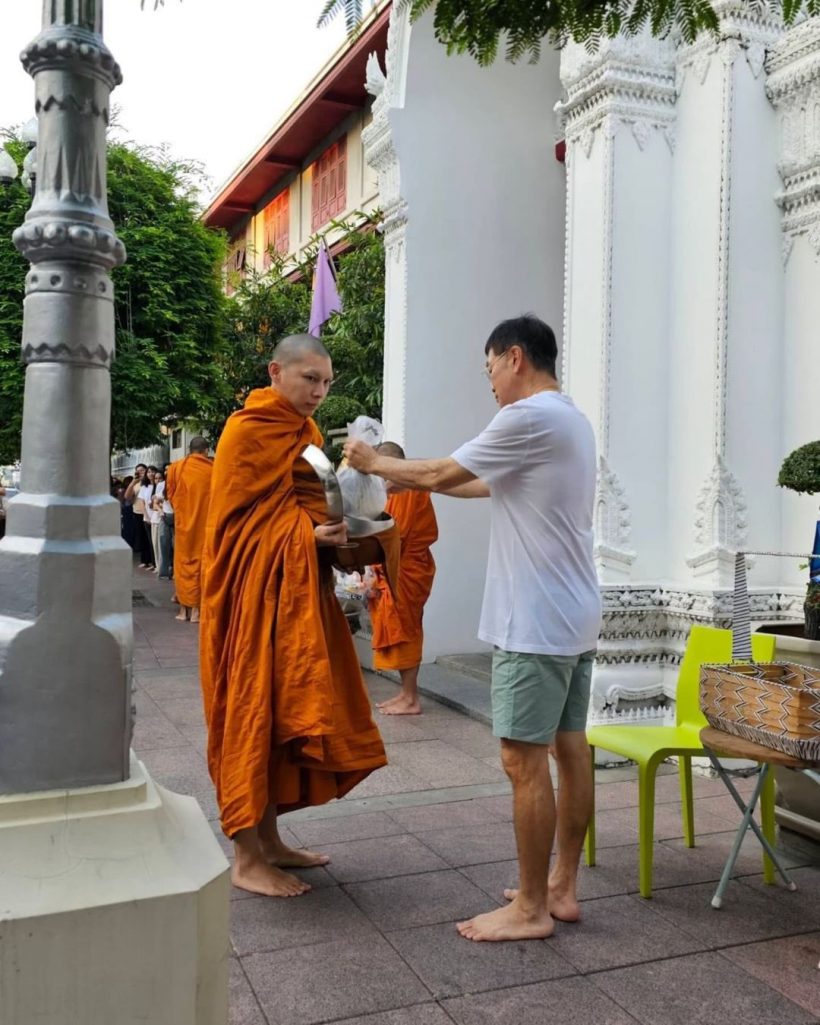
(337,93)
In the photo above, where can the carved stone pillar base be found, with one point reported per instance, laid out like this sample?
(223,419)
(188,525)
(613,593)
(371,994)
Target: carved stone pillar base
(114,908)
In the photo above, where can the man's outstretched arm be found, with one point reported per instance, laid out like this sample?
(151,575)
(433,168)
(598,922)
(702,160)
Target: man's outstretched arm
(444,476)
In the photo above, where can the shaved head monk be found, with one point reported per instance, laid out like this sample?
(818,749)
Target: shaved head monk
(289,720)
(397,632)
(188,489)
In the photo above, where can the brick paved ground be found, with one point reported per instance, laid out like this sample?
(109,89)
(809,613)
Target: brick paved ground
(428,841)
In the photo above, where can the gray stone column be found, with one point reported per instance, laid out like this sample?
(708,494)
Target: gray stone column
(65,595)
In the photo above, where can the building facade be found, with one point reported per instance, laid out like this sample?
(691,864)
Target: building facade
(310,168)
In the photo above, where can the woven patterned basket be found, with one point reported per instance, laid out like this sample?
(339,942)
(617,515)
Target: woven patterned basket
(776,704)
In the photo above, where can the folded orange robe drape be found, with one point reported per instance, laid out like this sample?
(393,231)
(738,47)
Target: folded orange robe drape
(188,489)
(397,632)
(288,715)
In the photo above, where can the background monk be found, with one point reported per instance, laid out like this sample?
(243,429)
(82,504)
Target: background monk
(188,488)
(289,720)
(397,632)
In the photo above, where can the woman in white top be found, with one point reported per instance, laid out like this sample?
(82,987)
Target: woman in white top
(155,515)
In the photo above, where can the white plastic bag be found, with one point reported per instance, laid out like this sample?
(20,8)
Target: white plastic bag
(363,494)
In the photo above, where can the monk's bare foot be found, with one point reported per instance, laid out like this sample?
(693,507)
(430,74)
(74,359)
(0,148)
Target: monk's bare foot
(194,615)
(508,923)
(181,616)
(562,906)
(389,702)
(281,856)
(267,880)
(402,706)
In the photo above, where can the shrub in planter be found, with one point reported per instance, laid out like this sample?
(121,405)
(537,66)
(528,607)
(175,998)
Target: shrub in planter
(800,472)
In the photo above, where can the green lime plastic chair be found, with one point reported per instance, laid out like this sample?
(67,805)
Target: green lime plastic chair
(651,745)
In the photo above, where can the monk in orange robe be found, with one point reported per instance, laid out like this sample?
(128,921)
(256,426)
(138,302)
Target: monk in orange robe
(288,715)
(188,489)
(397,632)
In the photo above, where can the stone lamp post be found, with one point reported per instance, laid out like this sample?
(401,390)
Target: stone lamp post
(113,892)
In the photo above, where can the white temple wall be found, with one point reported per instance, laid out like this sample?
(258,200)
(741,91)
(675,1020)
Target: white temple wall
(727,324)
(690,349)
(637,435)
(793,86)
(483,197)
(801,406)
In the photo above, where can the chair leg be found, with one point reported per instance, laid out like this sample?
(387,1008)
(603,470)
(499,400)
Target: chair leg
(646,825)
(589,839)
(686,798)
(767,825)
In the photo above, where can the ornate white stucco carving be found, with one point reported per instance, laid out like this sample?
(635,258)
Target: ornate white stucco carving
(645,629)
(379,151)
(720,525)
(627,81)
(793,86)
(613,526)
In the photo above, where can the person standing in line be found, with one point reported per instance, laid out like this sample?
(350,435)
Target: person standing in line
(155,516)
(188,489)
(139,492)
(398,637)
(541,611)
(166,532)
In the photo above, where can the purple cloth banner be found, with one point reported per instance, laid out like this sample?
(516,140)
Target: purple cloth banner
(325,294)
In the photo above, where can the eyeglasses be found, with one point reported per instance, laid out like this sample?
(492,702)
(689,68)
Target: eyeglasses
(488,368)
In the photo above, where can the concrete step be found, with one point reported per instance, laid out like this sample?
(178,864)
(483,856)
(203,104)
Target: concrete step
(466,693)
(477,665)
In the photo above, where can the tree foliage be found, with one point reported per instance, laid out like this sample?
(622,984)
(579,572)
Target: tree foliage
(266,307)
(14,201)
(168,300)
(479,27)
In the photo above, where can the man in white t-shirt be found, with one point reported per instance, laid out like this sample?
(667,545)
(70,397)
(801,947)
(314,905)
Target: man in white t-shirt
(541,612)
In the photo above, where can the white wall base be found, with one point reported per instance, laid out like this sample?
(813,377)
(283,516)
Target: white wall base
(113,908)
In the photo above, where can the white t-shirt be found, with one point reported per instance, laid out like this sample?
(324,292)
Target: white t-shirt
(538,458)
(155,515)
(145,492)
(167,508)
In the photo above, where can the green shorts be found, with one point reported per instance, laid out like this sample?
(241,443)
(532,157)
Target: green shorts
(536,696)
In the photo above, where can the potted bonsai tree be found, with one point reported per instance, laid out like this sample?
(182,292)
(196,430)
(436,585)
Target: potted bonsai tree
(800,472)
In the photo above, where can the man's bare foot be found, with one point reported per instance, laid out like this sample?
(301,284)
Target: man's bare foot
(562,907)
(508,923)
(401,706)
(194,615)
(281,856)
(267,880)
(181,616)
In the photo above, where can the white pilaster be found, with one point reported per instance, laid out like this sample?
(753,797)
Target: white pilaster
(725,367)
(619,126)
(793,86)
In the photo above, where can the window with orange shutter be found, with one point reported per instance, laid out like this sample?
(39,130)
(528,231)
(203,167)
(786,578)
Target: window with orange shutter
(277,226)
(329,196)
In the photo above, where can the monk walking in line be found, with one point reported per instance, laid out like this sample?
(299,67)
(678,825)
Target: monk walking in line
(397,631)
(288,715)
(188,489)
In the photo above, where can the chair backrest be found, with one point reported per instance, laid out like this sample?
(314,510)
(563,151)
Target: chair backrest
(708,644)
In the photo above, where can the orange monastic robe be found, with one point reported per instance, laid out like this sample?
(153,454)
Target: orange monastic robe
(289,720)
(397,633)
(188,488)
